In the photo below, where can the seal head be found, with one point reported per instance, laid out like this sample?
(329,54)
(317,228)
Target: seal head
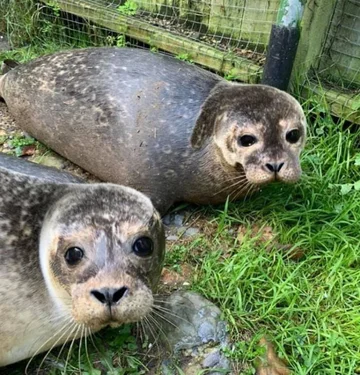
(104,250)
(258,128)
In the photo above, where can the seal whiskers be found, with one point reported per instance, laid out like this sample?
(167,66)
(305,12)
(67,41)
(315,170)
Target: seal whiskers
(67,327)
(70,348)
(163,310)
(71,331)
(87,333)
(80,345)
(239,190)
(239,184)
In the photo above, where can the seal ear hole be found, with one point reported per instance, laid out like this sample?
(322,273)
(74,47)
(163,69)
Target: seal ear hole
(143,247)
(73,255)
(246,140)
(293,136)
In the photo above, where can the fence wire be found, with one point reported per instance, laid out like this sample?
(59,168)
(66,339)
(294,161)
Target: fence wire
(229,37)
(340,64)
(226,36)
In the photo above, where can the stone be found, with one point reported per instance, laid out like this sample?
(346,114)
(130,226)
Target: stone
(212,359)
(166,219)
(195,334)
(4,44)
(191,232)
(178,220)
(172,237)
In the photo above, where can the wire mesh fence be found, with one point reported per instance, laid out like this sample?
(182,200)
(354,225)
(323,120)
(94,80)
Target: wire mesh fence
(340,64)
(229,37)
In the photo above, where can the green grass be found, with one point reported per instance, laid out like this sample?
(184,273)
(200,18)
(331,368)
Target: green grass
(309,308)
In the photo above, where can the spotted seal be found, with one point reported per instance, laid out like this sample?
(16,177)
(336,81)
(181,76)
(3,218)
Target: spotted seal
(158,124)
(74,258)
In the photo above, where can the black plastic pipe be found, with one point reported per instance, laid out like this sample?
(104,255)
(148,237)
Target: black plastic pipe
(280,56)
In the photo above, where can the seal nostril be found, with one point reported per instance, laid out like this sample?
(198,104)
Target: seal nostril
(274,167)
(270,167)
(119,294)
(279,167)
(109,296)
(99,296)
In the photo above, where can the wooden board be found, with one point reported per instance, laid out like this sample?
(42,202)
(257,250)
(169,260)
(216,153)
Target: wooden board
(249,21)
(314,30)
(209,57)
(244,20)
(341,104)
(344,61)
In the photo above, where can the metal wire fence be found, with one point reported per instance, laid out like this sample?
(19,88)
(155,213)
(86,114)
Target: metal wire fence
(229,37)
(340,64)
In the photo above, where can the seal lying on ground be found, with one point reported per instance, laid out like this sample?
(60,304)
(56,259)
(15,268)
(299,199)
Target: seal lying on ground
(157,124)
(74,258)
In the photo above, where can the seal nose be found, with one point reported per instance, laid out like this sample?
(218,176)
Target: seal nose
(109,296)
(274,167)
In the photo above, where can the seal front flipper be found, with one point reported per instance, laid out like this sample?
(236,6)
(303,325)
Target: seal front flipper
(8,65)
(5,67)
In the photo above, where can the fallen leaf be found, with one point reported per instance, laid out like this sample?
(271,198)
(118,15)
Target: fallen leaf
(264,234)
(294,254)
(270,364)
(28,150)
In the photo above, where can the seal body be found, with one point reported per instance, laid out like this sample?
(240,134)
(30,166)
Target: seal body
(160,125)
(33,170)
(73,258)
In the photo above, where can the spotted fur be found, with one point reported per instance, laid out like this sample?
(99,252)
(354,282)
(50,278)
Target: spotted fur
(157,124)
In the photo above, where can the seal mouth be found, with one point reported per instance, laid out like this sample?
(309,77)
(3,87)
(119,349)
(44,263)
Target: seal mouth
(114,324)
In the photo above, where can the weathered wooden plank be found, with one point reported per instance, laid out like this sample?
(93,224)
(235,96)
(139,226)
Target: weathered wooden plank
(234,19)
(209,57)
(159,7)
(259,15)
(195,13)
(344,63)
(246,20)
(314,29)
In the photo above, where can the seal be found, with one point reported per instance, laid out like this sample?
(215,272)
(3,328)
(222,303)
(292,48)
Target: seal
(158,124)
(33,170)
(74,258)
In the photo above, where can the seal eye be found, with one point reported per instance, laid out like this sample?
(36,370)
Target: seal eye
(73,256)
(143,246)
(293,136)
(247,140)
